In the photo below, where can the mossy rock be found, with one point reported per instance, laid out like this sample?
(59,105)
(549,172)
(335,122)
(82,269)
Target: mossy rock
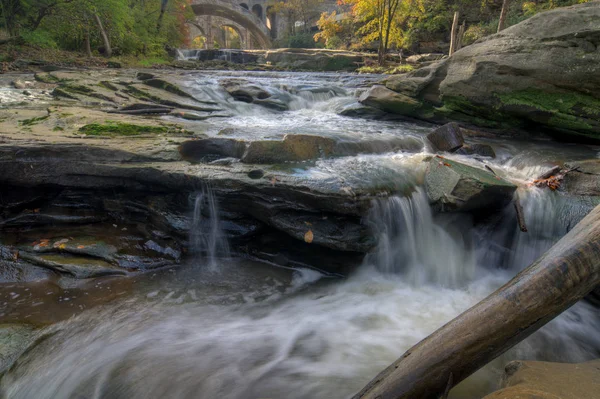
(33,121)
(572,112)
(125,129)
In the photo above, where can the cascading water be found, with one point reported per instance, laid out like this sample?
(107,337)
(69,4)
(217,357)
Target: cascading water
(411,243)
(206,235)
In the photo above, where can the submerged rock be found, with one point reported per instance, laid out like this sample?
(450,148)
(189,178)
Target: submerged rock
(14,339)
(484,150)
(545,380)
(242,90)
(453,186)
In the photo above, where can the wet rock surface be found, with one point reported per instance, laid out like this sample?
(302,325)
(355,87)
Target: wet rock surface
(446,138)
(452,186)
(543,380)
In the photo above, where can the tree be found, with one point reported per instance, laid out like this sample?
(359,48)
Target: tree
(502,21)
(384,21)
(329,27)
(301,11)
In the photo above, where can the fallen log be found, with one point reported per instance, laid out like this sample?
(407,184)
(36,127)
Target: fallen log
(562,276)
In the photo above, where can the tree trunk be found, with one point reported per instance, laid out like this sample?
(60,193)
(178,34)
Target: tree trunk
(557,280)
(502,21)
(108,49)
(453,34)
(461,34)
(163,8)
(88,47)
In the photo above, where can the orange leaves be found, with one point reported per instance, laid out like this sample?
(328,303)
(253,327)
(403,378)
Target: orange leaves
(309,237)
(553,183)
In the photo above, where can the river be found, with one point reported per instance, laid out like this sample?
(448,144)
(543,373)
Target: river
(234,328)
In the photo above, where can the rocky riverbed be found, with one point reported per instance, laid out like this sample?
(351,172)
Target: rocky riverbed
(159,189)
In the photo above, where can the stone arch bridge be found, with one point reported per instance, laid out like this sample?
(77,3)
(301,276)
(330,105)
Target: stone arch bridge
(254,20)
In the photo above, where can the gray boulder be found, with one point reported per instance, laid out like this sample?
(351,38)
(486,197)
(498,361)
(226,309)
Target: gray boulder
(542,72)
(453,186)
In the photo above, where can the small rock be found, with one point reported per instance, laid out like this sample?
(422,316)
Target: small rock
(226,132)
(446,138)
(19,84)
(144,76)
(256,174)
(113,64)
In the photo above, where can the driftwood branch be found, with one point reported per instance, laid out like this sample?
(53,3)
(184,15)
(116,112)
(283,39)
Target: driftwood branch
(557,280)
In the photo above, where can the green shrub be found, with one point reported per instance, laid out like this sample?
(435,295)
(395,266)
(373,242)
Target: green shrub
(40,38)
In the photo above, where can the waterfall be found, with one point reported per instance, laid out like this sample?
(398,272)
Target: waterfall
(206,235)
(415,245)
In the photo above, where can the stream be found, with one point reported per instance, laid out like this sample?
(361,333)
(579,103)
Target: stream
(228,327)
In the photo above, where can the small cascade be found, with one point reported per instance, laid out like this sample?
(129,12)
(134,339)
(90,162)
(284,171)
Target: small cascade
(413,244)
(206,236)
(229,55)
(548,216)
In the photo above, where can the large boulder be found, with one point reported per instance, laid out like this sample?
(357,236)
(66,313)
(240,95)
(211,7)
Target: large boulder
(544,380)
(583,179)
(390,101)
(543,72)
(453,186)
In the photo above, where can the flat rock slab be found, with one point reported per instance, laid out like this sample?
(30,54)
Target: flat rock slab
(544,380)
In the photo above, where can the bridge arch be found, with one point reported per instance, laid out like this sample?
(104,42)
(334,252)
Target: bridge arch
(240,36)
(237,14)
(258,11)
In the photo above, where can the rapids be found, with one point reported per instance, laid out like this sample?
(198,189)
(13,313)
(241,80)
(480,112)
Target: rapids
(234,328)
